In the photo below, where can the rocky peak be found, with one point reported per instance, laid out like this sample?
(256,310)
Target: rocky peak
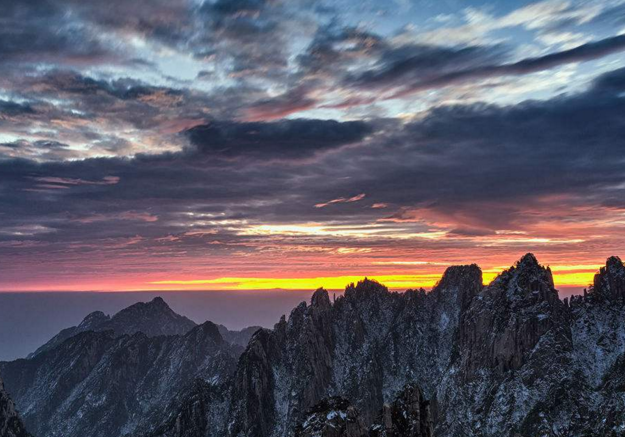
(609,283)
(152,318)
(155,306)
(93,320)
(463,282)
(320,299)
(527,279)
(505,323)
(205,331)
(10,423)
(367,288)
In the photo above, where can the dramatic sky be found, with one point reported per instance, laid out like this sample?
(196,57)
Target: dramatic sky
(224,144)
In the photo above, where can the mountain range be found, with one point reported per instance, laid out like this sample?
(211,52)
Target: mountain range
(506,359)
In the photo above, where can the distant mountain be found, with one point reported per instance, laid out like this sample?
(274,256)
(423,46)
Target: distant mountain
(508,359)
(10,423)
(110,381)
(242,337)
(151,318)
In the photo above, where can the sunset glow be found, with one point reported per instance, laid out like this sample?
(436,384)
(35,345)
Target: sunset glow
(269,144)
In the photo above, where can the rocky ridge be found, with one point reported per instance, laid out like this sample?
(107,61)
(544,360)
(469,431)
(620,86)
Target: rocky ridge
(100,383)
(507,359)
(150,318)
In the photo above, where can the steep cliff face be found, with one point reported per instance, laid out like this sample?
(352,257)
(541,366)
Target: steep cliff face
(102,384)
(198,411)
(365,347)
(516,372)
(597,322)
(10,423)
(507,320)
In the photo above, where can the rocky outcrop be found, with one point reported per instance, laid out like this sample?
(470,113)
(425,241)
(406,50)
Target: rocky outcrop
(515,372)
(609,283)
(150,318)
(505,323)
(332,417)
(10,423)
(597,323)
(369,338)
(408,416)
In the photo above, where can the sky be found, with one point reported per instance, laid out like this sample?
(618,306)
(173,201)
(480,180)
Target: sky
(261,144)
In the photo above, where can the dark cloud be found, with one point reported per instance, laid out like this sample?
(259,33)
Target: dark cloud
(40,150)
(420,63)
(413,70)
(43,31)
(613,81)
(478,167)
(285,139)
(10,109)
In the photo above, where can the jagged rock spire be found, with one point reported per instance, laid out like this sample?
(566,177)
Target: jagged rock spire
(320,299)
(609,283)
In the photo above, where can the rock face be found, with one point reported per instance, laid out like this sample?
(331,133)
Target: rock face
(199,411)
(366,346)
(150,318)
(100,383)
(408,416)
(515,359)
(10,423)
(332,417)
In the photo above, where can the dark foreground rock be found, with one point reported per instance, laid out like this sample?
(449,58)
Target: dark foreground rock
(408,416)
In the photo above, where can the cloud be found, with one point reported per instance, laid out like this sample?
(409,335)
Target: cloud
(42,31)
(414,72)
(285,139)
(10,109)
(343,200)
(40,150)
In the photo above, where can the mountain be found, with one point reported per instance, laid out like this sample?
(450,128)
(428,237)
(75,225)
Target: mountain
(507,359)
(103,383)
(369,338)
(151,318)
(10,423)
(242,337)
